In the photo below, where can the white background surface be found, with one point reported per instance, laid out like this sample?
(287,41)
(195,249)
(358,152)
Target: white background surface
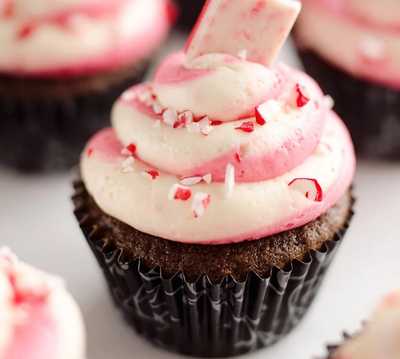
(36,221)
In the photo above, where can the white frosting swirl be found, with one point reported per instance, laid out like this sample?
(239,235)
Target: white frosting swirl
(65,37)
(298,141)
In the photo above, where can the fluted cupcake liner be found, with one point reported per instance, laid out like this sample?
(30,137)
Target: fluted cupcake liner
(201,318)
(371,111)
(47,133)
(189,11)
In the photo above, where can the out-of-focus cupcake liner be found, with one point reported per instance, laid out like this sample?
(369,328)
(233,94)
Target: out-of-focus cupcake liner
(48,134)
(202,318)
(332,348)
(371,111)
(189,11)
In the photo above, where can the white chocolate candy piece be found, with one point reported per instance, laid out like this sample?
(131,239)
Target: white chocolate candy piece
(258,27)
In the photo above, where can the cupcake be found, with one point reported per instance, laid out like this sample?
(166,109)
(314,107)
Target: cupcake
(189,10)
(62,65)
(38,318)
(217,200)
(379,339)
(352,48)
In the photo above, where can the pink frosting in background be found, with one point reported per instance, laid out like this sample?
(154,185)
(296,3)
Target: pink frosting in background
(126,49)
(38,316)
(361,37)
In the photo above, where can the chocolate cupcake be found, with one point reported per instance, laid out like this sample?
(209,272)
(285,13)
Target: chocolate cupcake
(218,199)
(189,10)
(352,48)
(380,338)
(39,318)
(62,65)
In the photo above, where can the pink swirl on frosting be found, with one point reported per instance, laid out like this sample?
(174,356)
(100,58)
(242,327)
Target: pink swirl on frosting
(30,326)
(221,177)
(255,158)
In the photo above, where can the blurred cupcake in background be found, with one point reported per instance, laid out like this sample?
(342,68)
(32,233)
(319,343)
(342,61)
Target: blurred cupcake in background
(38,318)
(352,47)
(62,64)
(189,10)
(379,339)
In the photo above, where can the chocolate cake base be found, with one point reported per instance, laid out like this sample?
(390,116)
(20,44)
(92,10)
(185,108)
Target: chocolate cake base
(45,123)
(371,111)
(212,301)
(189,11)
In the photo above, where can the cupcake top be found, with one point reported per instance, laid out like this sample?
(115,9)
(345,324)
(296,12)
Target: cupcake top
(222,146)
(361,37)
(78,37)
(38,318)
(381,336)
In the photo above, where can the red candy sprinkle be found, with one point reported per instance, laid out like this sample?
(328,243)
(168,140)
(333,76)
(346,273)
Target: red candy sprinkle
(153,173)
(89,152)
(310,187)
(25,31)
(259,117)
(180,122)
(216,123)
(182,194)
(131,148)
(237,157)
(302,99)
(246,127)
(8,8)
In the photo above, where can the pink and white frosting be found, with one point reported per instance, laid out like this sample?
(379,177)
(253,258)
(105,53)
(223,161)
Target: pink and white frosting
(361,37)
(38,318)
(220,150)
(381,336)
(75,37)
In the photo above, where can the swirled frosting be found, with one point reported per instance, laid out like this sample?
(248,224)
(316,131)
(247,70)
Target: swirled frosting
(220,150)
(361,37)
(38,318)
(74,37)
(381,336)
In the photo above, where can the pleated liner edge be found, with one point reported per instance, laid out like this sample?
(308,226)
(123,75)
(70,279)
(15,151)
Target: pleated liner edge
(202,318)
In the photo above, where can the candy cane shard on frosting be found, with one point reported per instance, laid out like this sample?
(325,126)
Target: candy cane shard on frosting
(310,187)
(257,28)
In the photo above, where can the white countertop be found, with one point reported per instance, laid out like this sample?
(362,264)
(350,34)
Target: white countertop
(36,221)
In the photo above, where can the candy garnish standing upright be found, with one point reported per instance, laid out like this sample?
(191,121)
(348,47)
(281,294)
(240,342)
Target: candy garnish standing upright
(257,27)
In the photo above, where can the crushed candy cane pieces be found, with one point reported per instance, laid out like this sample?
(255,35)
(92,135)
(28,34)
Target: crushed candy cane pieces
(302,99)
(247,126)
(179,193)
(229,180)
(200,203)
(309,187)
(127,165)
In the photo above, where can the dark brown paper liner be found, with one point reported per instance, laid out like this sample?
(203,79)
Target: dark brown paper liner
(201,318)
(189,11)
(371,111)
(41,133)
